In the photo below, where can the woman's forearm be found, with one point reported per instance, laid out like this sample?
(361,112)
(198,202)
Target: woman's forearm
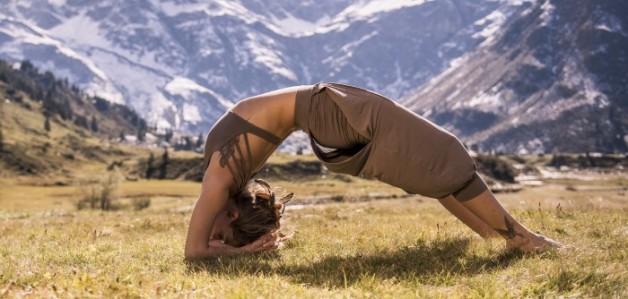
(216,248)
(213,252)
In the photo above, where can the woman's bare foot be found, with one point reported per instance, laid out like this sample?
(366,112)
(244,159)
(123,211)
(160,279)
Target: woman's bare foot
(532,243)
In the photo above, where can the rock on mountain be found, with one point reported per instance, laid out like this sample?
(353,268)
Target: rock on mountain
(554,77)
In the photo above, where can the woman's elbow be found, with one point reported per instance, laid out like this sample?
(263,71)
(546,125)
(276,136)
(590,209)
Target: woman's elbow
(195,256)
(192,253)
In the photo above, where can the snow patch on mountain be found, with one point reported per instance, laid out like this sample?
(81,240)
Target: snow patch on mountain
(163,114)
(366,9)
(82,32)
(486,100)
(515,2)
(80,29)
(185,87)
(145,83)
(491,24)
(191,114)
(212,8)
(338,60)
(296,27)
(172,8)
(57,2)
(264,53)
(610,23)
(26,34)
(548,8)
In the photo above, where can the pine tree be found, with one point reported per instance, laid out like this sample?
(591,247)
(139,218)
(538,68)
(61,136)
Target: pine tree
(81,121)
(1,136)
(141,134)
(200,141)
(47,124)
(1,139)
(163,168)
(168,135)
(149,166)
(187,143)
(94,125)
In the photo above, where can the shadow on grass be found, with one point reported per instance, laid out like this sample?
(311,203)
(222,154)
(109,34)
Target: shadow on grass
(431,263)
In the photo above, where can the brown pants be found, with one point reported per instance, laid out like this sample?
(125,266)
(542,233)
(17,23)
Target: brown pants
(358,132)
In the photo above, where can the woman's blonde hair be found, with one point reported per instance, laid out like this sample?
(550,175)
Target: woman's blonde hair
(259,212)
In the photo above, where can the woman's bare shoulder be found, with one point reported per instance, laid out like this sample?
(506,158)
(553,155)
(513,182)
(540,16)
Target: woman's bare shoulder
(272,111)
(277,97)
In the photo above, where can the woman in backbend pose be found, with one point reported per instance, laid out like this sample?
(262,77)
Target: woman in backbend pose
(352,131)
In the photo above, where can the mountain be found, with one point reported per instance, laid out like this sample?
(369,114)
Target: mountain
(554,78)
(182,63)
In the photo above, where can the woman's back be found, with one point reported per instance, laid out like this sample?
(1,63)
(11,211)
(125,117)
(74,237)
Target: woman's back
(247,135)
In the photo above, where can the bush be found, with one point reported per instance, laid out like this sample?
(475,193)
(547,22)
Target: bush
(100,196)
(496,168)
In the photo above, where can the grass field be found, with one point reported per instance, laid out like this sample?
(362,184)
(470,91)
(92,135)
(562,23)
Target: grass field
(389,248)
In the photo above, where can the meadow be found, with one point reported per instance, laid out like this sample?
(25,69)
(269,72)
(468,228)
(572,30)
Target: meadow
(399,247)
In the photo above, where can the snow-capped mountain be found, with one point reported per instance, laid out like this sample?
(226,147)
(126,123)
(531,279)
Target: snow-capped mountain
(182,63)
(554,77)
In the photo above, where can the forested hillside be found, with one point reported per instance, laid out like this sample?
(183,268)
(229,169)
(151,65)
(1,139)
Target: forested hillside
(48,126)
(60,99)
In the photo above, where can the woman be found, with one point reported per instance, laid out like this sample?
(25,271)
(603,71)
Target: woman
(352,131)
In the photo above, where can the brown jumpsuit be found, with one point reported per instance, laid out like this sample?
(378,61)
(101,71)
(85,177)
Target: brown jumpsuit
(359,132)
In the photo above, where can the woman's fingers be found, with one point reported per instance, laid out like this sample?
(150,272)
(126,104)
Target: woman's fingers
(268,242)
(264,247)
(259,244)
(282,237)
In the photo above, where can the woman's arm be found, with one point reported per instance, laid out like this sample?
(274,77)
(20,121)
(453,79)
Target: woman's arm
(213,198)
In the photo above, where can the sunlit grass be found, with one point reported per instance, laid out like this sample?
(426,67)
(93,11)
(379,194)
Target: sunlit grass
(395,248)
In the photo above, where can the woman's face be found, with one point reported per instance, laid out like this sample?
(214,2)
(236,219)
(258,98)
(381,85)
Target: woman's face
(221,230)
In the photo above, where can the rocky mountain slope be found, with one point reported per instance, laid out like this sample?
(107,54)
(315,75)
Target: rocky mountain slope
(554,78)
(182,63)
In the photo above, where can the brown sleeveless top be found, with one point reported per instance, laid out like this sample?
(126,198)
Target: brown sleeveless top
(230,137)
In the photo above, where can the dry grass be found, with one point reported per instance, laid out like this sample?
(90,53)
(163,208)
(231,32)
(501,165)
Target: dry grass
(391,248)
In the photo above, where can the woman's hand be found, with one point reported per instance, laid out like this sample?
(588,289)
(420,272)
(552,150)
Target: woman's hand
(269,242)
(266,243)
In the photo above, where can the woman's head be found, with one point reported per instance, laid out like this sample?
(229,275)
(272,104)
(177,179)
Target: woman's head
(253,213)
